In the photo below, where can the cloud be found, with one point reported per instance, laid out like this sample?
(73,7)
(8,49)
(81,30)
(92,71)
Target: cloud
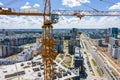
(73,3)
(20,22)
(27,5)
(115,6)
(29,22)
(1,4)
(36,5)
(88,22)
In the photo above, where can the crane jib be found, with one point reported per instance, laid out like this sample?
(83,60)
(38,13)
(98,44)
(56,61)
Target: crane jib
(55,13)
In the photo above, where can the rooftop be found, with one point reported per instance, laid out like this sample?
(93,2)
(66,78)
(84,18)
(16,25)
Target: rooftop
(32,70)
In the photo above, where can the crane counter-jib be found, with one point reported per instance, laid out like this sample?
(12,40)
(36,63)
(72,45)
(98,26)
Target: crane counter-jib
(22,14)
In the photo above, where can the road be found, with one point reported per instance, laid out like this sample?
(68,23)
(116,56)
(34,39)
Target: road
(113,63)
(90,74)
(94,53)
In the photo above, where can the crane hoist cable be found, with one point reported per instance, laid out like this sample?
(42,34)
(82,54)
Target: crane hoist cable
(108,2)
(88,6)
(91,7)
(82,15)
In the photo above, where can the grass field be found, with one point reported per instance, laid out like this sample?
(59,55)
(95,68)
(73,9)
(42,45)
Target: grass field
(99,72)
(94,62)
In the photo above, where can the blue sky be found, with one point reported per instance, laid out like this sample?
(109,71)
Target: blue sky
(57,4)
(86,22)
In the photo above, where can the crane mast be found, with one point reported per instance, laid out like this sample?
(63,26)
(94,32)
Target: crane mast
(48,52)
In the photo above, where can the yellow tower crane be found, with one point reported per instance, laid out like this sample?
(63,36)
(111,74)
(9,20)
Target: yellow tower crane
(48,52)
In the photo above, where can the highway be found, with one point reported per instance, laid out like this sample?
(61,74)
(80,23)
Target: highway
(90,74)
(90,50)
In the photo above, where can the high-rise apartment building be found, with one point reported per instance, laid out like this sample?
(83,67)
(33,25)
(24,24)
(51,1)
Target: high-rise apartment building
(114,32)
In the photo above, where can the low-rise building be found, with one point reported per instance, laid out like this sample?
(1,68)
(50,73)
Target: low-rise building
(115,52)
(25,55)
(113,41)
(110,48)
(28,54)
(99,42)
(119,54)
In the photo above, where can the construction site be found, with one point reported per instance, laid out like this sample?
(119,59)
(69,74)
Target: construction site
(46,63)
